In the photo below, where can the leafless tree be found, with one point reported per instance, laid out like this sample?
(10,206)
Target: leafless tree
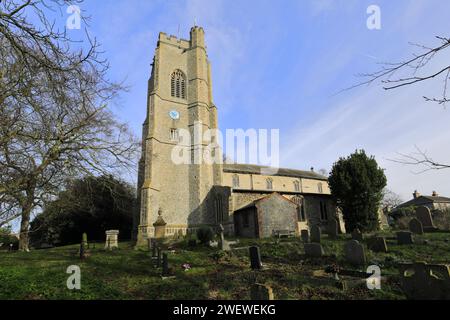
(55,122)
(420,158)
(411,71)
(390,200)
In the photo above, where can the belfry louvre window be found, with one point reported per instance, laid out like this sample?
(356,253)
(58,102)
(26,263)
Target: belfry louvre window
(178,85)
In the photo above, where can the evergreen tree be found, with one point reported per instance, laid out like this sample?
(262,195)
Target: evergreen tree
(357,184)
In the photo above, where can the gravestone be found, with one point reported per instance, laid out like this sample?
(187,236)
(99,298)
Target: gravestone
(424,216)
(354,253)
(112,239)
(315,234)
(425,282)
(151,243)
(165,265)
(377,244)
(313,250)
(415,226)
(405,237)
(154,254)
(357,235)
(261,292)
(333,228)
(255,258)
(305,236)
(158,257)
(82,251)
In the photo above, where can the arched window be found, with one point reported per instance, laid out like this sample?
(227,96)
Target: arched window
(297,186)
(178,85)
(300,202)
(269,184)
(319,187)
(235,181)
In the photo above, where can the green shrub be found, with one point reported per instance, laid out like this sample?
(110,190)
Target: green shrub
(205,234)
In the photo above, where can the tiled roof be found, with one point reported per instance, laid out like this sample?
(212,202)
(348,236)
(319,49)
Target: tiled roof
(421,200)
(255,169)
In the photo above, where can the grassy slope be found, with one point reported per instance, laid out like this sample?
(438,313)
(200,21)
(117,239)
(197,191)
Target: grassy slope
(129,274)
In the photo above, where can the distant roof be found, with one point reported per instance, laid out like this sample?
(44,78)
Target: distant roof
(255,169)
(254,202)
(424,200)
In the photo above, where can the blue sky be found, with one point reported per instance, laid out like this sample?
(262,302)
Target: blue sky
(278,64)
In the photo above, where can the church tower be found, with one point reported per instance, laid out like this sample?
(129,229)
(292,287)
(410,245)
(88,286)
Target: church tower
(179,101)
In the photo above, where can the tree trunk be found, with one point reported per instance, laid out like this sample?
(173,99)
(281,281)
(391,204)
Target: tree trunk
(24,226)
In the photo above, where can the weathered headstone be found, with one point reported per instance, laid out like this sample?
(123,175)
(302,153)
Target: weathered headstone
(424,215)
(305,236)
(82,251)
(255,258)
(83,246)
(405,237)
(415,226)
(313,250)
(112,239)
(315,234)
(354,253)
(261,292)
(165,265)
(154,254)
(377,244)
(425,282)
(332,228)
(357,235)
(84,239)
(158,257)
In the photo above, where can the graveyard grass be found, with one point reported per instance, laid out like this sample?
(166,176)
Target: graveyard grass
(127,273)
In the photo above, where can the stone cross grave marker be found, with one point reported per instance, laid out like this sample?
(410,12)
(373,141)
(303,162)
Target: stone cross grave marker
(415,226)
(255,258)
(315,234)
(354,253)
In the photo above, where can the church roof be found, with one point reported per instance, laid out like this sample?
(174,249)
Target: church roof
(255,169)
(254,202)
(421,200)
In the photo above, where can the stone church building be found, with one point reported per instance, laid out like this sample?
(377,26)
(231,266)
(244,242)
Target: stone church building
(187,196)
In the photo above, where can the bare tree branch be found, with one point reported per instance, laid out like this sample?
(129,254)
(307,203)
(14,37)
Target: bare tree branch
(412,66)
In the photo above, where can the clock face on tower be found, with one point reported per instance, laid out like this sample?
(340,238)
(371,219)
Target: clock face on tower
(175,115)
